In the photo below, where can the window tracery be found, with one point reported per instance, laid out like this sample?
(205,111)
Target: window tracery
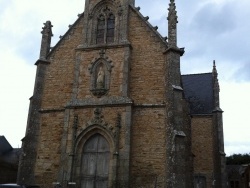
(100,30)
(105,32)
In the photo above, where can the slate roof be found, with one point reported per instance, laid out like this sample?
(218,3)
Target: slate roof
(8,155)
(4,145)
(198,91)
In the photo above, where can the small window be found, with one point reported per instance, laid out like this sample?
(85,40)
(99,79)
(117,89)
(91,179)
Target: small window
(105,29)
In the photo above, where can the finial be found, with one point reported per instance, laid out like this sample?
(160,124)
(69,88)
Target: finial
(47,29)
(172,24)
(46,39)
(214,69)
(216,87)
(172,14)
(102,53)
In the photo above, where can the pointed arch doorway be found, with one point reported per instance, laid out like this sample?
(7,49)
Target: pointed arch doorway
(95,162)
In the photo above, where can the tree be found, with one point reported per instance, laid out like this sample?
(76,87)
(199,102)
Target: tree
(238,159)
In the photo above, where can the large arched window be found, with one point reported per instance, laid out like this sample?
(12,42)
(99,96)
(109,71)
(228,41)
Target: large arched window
(95,162)
(105,29)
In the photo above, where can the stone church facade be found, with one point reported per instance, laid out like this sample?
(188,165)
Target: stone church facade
(110,107)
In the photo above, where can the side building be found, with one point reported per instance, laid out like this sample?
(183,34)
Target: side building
(9,158)
(202,93)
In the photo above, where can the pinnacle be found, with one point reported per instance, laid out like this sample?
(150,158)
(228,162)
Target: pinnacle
(172,10)
(214,69)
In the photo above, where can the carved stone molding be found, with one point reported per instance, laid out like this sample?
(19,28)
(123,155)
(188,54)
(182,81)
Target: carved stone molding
(98,121)
(104,101)
(100,72)
(102,56)
(99,92)
(106,7)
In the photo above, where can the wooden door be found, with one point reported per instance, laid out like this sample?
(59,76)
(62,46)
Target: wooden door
(95,163)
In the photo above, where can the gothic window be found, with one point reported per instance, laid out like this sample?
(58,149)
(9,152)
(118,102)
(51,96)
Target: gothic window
(105,29)
(95,162)
(100,29)
(110,28)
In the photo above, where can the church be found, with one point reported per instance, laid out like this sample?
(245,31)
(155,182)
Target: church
(110,108)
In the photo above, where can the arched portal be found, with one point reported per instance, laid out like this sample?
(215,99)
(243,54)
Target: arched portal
(95,162)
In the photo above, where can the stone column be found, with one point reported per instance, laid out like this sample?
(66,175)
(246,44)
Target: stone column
(178,171)
(219,154)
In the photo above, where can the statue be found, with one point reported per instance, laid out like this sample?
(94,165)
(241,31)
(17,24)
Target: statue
(100,79)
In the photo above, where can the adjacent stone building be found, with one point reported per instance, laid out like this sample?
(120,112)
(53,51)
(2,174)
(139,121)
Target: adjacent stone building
(9,158)
(238,176)
(111,109)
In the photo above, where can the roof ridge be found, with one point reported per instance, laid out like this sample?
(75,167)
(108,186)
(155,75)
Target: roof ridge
(196,74)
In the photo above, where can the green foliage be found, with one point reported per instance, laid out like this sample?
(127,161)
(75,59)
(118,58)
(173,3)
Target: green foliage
(238,159)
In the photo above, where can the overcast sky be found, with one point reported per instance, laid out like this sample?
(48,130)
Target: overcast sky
(208,29)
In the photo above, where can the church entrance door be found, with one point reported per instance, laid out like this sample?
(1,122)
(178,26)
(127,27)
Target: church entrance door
(95,162)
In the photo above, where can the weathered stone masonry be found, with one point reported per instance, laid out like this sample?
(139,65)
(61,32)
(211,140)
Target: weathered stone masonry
(111,109)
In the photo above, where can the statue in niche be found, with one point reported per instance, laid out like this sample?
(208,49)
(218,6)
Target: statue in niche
(100,81)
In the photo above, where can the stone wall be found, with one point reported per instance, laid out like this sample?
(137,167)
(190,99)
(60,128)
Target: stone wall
(147,62)
(202,147)
(116,56)
(148,153)
(60,72)
(48,158)
(148,150)
(8,173)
